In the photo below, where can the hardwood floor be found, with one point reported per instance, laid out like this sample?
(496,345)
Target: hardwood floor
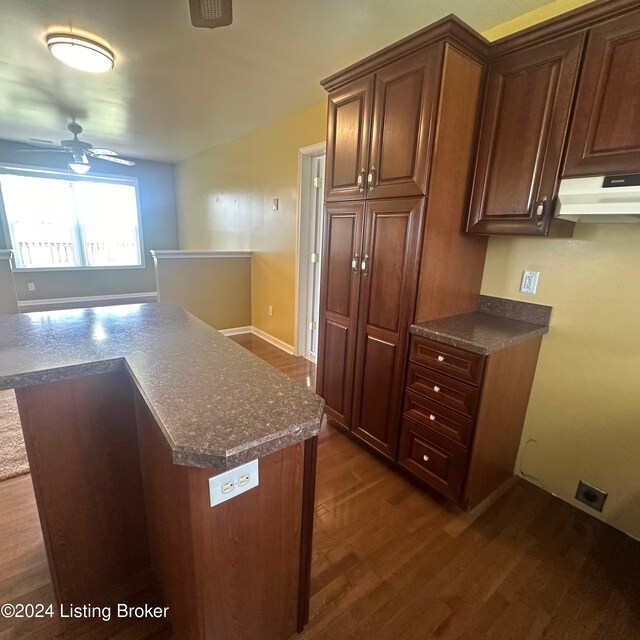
(300,369)
(392,563)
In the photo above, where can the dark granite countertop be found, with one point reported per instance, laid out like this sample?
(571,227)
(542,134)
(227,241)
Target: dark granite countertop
(217,404)
(496,324)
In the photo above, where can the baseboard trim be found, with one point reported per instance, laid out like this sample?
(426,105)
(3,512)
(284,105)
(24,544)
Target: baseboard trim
(267,337)
(235,331)
(287,348)
(51,304)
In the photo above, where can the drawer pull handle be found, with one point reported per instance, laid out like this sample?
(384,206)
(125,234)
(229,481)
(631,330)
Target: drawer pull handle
(425,458)
(436,388)
(432,417)
(440,358)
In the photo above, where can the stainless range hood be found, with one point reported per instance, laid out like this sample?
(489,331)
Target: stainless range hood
(602,199)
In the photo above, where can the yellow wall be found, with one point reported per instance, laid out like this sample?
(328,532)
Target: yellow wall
(225,202)
(216,290)
(583,421)
(542,13)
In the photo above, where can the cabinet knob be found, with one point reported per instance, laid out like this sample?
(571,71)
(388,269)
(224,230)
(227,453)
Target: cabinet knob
(432,417)
(440,358)
(361,175)
(354,263)
(436,388)
(425,458)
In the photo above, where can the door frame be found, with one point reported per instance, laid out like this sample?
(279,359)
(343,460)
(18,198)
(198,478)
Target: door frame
(303,250)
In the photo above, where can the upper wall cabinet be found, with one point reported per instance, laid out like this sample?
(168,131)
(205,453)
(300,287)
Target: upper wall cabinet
(379,130)
(522,136)
(605,136)
(348,125)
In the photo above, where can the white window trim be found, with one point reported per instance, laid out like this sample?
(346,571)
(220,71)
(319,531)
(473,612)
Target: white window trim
(34,171)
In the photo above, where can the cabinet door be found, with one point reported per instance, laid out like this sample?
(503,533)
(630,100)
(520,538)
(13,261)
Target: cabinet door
(403,112)
(339,307)
(529,97)
(348,128)
(388,280)
(605,135)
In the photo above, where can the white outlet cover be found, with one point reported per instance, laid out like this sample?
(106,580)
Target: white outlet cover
(219,485)
(529,282)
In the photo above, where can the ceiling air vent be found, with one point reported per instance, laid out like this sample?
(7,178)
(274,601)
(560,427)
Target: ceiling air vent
(210,13)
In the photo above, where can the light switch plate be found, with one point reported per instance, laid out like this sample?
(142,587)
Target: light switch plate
(529,282)
(230,484)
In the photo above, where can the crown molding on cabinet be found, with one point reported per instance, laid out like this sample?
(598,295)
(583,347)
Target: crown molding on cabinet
(574,21)
(449,28)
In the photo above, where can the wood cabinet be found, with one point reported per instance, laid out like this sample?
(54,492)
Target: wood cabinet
(580,69)
(426,157)
(348,126)
(393,241)
(379,130)
(463,416)
(605,136)
(524,125)
(368,279)
(339,293)
(388,279)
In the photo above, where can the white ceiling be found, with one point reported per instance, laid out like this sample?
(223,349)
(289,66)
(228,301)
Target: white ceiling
(177,90)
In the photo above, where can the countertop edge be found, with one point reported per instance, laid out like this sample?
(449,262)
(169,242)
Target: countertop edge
(217,460)
(463,343)
(239,455)
(67,372)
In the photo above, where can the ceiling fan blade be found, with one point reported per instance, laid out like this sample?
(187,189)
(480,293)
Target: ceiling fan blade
(128,163)
(210,13)
(101,152)
(43,151)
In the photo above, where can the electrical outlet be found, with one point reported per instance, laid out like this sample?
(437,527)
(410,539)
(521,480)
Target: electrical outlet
(591,496)
(529,282)
(31,286)
(276,204)
(232,483)
(270,311)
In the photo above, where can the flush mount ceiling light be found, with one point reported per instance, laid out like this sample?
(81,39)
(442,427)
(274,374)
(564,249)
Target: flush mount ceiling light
(80,53)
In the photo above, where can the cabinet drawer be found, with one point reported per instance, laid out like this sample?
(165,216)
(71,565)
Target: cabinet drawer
(456,395)
(437,418)
(457,363)
(432,458)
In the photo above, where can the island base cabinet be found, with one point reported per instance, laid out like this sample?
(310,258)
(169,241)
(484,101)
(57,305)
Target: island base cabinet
(238,570)
(123,524)
(80,436)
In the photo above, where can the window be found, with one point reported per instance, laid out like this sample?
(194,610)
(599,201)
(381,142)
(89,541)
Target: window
(60,221)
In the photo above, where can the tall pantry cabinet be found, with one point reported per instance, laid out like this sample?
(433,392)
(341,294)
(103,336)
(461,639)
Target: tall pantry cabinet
(401,132)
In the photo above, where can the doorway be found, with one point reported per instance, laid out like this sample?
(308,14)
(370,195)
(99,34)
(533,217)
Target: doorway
(311,167)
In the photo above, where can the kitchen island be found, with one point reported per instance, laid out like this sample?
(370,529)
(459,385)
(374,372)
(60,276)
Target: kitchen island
(127,413)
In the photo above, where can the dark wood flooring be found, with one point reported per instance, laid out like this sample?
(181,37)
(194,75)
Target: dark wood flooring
(392,563)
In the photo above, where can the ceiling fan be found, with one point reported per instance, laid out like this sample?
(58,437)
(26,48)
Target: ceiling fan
(81,151)
(210,13)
